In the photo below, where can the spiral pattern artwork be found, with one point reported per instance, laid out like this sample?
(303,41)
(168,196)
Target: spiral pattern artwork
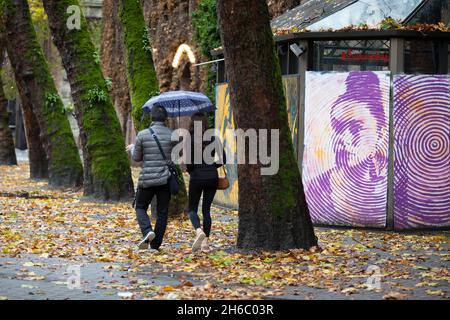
(345,159)
(422,151)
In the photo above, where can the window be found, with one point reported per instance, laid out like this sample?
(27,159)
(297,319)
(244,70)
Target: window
(351,55)
(425,56)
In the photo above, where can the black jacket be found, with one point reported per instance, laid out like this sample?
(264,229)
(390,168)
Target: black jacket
(205,171)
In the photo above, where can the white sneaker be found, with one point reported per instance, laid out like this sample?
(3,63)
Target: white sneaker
(146,240)
(205,244)
(153,251)
(198,239)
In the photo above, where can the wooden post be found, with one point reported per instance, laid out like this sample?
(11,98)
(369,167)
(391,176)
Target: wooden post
(302,68)
(397,65)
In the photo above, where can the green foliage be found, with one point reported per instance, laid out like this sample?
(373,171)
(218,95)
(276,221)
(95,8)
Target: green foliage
(69,108)
(109,83)
(50,99)
(146,45)
(96,57)
(204,20)
(97,94)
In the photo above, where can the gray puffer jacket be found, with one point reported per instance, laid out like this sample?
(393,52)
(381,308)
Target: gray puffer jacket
(154,169)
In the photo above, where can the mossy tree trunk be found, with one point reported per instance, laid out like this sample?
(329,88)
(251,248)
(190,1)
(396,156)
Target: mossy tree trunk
(141,73)
(113,65)
(142,78)
(36,153)
(273,213)
(37,88)
(7,149)
(107,172)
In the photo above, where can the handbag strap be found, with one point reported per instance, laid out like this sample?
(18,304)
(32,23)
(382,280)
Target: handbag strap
(224,170)
(158,143)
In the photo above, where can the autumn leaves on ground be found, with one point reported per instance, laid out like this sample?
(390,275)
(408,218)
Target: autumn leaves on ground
(38,224)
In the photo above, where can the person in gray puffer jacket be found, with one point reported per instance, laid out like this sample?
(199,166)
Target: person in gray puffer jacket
(153,179)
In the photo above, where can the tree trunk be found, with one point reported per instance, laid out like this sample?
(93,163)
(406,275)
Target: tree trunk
(107,173)
(141,72)
(7,149)
(142,76)
(37,88)
(113,65)
(273,213)
(37,156)
(36,153)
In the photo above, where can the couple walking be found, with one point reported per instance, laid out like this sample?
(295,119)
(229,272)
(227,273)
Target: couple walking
(154,176)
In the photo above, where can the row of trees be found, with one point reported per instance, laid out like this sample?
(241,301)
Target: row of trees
(106,172)
(273,212)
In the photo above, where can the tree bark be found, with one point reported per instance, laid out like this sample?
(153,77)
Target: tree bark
(141,73)
(273,213)
(7,149)
(36,153)
(37,156)
(113,65)
(37,88)
(143,83)
(107,172)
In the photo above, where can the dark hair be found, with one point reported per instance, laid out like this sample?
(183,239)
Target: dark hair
(158,113)
(199,117)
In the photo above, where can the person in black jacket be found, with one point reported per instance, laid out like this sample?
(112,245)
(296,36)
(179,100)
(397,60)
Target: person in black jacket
(203,180)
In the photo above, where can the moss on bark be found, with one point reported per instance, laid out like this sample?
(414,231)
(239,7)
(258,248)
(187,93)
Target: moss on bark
(37,88)
(142,76)
(273,213)
(107,173)
(141,72)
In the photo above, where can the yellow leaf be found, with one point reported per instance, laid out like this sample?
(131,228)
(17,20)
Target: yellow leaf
(168,289)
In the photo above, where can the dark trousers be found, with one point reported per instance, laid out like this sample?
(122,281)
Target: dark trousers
(143,200)
(196,188)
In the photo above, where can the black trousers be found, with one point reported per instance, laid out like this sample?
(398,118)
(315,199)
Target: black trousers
(144,198)
(196,188)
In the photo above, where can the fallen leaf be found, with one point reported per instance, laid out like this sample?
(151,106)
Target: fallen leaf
(395,296)
(435,293)
(349,291)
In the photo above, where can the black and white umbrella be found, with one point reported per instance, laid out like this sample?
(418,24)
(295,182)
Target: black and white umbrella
(181,103)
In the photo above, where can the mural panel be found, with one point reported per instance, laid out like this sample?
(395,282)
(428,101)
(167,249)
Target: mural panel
(346,147)
(224,121)
(422,151)
(291,85)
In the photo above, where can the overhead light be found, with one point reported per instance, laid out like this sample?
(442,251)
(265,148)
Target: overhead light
(297,50)
(183,49)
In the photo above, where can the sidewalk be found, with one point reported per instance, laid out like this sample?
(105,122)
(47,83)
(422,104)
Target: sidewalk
(43,232)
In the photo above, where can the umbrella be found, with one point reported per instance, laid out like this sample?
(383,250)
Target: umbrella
(181,103)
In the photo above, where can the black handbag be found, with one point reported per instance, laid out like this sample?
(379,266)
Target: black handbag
(174,185)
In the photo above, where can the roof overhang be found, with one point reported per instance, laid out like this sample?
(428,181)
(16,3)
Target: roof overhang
(363,34)
(354,35)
